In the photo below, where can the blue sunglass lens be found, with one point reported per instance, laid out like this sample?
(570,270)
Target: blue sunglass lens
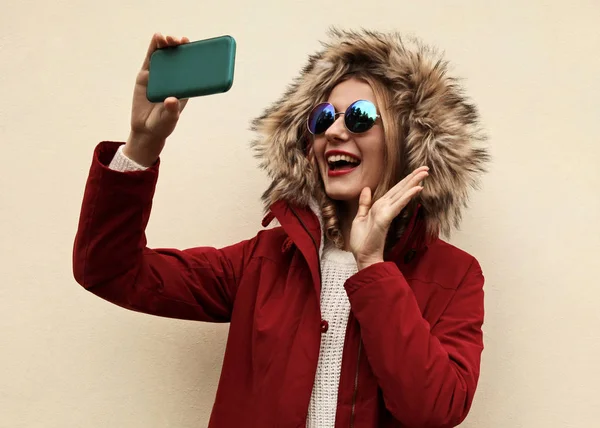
(360,116)
(321,118)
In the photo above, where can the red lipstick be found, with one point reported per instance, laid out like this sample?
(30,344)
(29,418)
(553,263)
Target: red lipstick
(339,172)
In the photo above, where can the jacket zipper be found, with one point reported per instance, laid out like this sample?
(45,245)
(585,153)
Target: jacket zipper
(355,386)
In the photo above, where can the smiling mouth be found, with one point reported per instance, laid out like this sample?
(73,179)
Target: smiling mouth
(337,168)
(342,165)
(342,161)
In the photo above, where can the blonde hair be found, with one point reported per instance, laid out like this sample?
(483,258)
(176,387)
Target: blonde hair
(393,171)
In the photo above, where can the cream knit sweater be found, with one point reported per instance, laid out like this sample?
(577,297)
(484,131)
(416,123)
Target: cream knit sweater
(336,267)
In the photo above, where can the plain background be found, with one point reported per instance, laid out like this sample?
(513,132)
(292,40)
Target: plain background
(67,68)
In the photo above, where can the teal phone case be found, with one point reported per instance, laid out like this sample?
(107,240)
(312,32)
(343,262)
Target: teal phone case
(194,69)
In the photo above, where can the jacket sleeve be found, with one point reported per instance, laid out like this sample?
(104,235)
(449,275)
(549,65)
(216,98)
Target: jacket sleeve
(427,374)
(111,259)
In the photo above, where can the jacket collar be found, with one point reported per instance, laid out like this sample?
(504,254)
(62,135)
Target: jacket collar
(303,227)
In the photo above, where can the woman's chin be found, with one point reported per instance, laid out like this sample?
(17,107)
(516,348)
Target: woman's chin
(342,195)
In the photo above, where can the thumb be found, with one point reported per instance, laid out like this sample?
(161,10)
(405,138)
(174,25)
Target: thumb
(169,113)
(172,105)
(364,202)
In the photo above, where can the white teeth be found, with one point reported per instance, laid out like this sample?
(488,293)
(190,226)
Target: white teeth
(336,158)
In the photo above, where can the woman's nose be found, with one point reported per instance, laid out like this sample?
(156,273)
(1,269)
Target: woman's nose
(337,131)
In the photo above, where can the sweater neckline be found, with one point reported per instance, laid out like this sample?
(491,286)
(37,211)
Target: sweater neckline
(333,254)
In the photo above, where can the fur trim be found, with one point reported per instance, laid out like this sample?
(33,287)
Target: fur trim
(438,124)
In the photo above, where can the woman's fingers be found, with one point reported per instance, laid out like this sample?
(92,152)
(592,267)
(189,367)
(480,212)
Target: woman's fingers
(160,41)
(153,46)
(400,195)
(172,104)
(409,181)
(174,41)
(175,105)
(364,202)
(399,204)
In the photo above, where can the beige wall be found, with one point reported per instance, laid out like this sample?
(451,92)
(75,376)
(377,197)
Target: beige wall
(67,68)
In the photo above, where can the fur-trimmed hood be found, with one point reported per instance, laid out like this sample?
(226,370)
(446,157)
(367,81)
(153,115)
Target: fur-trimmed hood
(439,126)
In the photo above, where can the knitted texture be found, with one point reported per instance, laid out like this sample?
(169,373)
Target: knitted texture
(336,267)
(122,163)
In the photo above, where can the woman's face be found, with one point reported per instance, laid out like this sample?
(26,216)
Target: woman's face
(367,148)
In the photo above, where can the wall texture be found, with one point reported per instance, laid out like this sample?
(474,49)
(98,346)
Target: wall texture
(67,69)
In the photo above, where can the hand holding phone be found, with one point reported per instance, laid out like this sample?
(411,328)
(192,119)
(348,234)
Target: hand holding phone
(157,105)
(152,123)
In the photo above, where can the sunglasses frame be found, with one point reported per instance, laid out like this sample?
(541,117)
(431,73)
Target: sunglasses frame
(336,114)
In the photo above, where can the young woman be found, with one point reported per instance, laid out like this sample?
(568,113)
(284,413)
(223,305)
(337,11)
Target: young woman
(352,312)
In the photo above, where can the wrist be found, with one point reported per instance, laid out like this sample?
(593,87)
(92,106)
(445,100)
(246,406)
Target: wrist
(365,263)
(142,149)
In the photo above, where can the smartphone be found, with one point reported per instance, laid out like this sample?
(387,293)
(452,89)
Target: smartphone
(194,69)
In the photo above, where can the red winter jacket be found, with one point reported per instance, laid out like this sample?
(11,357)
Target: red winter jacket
(413,344)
